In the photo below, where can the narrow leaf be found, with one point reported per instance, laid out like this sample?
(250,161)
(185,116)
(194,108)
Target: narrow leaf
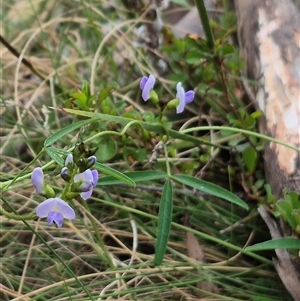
(66,130)
(280,243)
(114,173)
(151,127)
(210,188)
(136,176)
(107,91)
(54,156)
(164,222)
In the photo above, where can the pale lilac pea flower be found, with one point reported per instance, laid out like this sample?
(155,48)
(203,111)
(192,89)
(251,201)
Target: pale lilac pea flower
(55,209)
(89,180)
(37,179)
(146,85)
(184,97)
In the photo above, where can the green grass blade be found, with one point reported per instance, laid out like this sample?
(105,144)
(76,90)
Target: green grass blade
(280,243)
(164,222)
(210,188)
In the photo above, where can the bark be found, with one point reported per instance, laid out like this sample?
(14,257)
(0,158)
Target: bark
(269,36)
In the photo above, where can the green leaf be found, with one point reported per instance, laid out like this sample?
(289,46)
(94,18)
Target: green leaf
(135,176)
(225,49)
(280,243)
(164,222)
(193,56)
(285,209)
(107,148)
(80,100)
(66,130)
(151,127)
(210,188)
(257,114)
(250,158)
(114,173)
(53,154)
(107,91)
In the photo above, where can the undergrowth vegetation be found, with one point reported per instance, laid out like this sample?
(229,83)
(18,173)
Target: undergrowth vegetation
(176,202)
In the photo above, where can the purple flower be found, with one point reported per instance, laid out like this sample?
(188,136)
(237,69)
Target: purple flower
(146,85)
(37,179)
(55,209)
(184,97)
(89,180)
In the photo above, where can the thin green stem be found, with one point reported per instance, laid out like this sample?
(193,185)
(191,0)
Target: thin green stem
(205,23)
(17,217)
(167,161)
(241,131)
(99,238)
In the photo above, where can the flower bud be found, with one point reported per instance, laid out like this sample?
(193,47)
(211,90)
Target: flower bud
(81,164)
(172,104)
(37,179)
(91,161)
(49,191)
(86,163)
(65,174)
(78,151)
(153,97)
(69,160)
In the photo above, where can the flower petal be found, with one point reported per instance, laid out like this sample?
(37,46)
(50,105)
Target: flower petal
(85,176)
(147,87)
(86,194)
(181,96)
(37,179)
(95,177)
(55,217)
(65,209)
(45,207)
(189,96)
(55,205)
(87,180)
(143,82)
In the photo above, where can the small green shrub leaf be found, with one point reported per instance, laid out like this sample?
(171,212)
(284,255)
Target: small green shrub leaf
(280,243)
(210,188)
(164,222)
